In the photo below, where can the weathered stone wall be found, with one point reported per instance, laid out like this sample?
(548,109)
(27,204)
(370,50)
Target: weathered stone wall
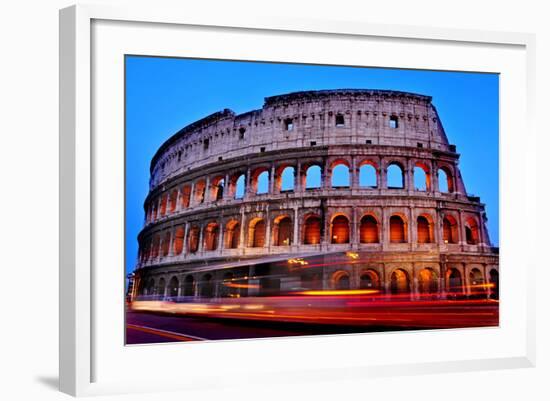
(193,211)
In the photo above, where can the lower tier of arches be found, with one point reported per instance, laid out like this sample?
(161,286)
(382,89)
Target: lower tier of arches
(458,277)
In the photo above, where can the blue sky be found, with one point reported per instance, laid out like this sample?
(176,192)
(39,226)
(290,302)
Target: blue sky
(165,94)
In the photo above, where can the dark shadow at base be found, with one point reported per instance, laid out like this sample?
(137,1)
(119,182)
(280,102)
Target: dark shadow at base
(51,382)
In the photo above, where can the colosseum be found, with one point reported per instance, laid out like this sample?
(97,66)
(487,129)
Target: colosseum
(250,204)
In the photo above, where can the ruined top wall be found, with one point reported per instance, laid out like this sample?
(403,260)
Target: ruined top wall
(313,117)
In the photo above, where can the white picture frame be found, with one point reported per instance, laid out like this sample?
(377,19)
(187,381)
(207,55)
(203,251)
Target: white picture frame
(84,338)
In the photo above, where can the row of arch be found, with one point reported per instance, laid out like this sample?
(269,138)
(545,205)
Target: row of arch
(191,238)
(287,177)
(400,282)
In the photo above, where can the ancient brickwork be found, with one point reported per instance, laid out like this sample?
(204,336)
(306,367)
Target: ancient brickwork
(230,189)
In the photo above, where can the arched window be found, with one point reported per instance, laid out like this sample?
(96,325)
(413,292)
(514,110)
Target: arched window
(395,176)
(421,177)
(397,230)
(367,176)
(150,290)
(340,176)
(312,230)
(163,202)
(173,287)
(173,200)
(472,232)
(445,180)
(166,244)
(450,230)
(341,280)
(427,281)
(399,282)
(287,179)
(369,280)
(368,230)
(185,196)
(477,287)
(200,191)
(340,230)
(211,234)
(217,188)
(313,177)
(161,287)
(257,233)
(262,183)
(189,286)
(282,231)
(424,230)
(240,187)
(232,234)
(155,247)
(178,241)
(455,280)
(193,241)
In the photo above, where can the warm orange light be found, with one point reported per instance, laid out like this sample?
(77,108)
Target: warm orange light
(298,261)
(235,285)
(353,255)
(338,292)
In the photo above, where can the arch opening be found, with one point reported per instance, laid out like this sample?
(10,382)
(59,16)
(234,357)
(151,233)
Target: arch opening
(340,230)
(232,234)
(211,236)
(397,230)
(313,177)
(340,176)
(368,230)
(312,230)
(399,282)
(368,177)
(396,178)
(282,231)
(424,230)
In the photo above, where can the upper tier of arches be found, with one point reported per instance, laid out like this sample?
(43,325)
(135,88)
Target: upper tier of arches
(304,120)
(391,175)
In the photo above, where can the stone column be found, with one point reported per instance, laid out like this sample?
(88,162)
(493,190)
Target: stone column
(220,238)
(201,239)
(410,177)
(185,237)
(226,188)
(435,177)
(462,229)
(247,189)
(192,200)
(242,231)
(383,176)
(271,188)
(385,237)
(442,280)
(412,230)
(354,174)
(298,178)
(326,176)
(171,246)
(295,239)
(268,229)
(354,229)
(207,190)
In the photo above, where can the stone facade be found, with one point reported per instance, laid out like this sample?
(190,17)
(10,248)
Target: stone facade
(230,192)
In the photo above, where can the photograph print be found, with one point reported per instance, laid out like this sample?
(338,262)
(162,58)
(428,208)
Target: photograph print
(273,199)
